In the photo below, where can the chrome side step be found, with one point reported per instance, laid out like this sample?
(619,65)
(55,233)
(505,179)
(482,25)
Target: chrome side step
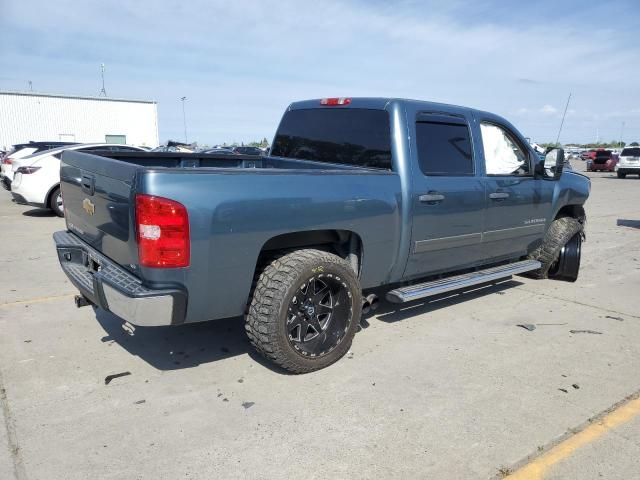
(443,285)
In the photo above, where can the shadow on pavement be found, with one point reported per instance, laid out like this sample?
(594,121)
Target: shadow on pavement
(182,346)
(628,223)
(39,212)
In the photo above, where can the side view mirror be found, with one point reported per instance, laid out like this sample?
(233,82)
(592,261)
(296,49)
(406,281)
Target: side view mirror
(551,166)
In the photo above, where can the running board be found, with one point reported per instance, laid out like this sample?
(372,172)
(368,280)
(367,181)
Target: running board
(443,285)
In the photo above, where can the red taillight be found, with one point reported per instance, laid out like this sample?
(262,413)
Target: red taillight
(163,232)
(7,161)
(335,101)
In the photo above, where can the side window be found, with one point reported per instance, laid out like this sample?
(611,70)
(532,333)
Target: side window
(502,153)
(444,148)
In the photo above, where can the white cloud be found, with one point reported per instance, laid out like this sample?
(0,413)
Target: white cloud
(548,110)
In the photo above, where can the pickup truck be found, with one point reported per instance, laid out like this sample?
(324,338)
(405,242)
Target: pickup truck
(417,197)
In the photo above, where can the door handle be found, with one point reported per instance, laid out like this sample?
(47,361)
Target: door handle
(431,197)
(498,195)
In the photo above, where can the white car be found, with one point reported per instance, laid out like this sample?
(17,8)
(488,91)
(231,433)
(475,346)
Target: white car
(36,178)
(628,162)
(22,150)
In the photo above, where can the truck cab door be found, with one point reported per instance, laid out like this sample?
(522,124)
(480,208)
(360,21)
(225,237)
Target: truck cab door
(518,203)
(447,197)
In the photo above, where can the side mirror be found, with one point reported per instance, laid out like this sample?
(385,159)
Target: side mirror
(551,166)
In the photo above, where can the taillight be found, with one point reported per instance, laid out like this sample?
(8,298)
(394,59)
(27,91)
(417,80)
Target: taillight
(27,170)
(162,232)
(335,101)
(7,160)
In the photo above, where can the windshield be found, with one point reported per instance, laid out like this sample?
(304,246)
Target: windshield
(350,136)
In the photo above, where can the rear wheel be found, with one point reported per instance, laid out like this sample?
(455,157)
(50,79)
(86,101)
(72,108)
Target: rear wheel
(305,310)
(55,202)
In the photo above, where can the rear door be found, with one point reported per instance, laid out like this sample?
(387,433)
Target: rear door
(448,198)
(518,205)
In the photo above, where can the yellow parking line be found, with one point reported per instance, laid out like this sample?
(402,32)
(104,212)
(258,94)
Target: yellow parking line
(36,300)
(536,469)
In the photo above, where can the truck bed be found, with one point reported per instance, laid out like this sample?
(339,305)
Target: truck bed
(237,206)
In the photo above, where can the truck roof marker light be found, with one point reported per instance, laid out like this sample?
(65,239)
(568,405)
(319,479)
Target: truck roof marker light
(335,101)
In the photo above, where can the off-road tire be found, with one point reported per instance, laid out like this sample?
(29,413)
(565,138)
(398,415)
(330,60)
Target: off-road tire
(274,288)
(621,175)
(53,203)
(559,233)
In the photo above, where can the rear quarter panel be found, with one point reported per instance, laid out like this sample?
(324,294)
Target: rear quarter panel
(233,214)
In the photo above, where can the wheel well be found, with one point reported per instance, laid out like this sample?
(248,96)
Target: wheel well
(575,211)
(343,243)
(47,199)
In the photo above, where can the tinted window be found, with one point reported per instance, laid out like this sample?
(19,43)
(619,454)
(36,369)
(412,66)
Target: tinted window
(444,148)
(348,136)
(631,152)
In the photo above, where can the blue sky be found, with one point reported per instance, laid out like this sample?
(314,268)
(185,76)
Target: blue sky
(240,63)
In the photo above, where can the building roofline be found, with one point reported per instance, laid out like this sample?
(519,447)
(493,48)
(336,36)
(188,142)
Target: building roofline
(76,97)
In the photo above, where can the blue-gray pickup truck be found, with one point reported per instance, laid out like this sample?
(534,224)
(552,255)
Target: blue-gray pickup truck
(357,193)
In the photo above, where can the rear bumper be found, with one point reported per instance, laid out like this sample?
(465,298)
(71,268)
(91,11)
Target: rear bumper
(114,289)
(628,168)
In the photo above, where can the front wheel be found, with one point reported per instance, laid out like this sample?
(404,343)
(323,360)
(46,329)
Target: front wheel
(305,310)
(621,175)
(55,202)
(562,241)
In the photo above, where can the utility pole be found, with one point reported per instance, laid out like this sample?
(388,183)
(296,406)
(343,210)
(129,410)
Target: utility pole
(103,92)
(184,119)
(563,115)
(621,133)
(30,86)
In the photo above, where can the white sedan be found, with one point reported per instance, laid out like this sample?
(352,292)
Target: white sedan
(36,178)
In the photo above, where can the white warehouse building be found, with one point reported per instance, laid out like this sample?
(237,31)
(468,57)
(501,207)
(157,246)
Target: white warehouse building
(26,116)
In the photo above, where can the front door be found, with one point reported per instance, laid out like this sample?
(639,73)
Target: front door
(518,205)
(448,199)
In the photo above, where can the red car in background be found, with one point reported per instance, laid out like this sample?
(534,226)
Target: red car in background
(601,160)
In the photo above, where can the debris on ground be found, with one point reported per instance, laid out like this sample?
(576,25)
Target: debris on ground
(527,326)
(620,319)
(248,404)
(576,386)
(586,331)
(108,378)
(564,390)
(139,402)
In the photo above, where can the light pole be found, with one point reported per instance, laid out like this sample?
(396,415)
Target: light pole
(184,119)
(621,133)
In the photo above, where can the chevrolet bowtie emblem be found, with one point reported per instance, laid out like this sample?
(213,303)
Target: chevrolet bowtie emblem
(88,206)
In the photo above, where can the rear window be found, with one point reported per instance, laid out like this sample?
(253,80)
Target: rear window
(444,148)
(347,136)
(603,154)
(631,152)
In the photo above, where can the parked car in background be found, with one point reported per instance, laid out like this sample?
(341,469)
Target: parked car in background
(589,154)
(173,146)
(226,151)
(602,161)
(23,150)
(247,150)
(629,162)
(36,178)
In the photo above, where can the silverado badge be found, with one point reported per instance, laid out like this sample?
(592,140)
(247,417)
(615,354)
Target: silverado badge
(88,206)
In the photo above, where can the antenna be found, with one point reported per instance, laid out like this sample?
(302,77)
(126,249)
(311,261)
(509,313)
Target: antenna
(184,119)
(563,115)
(103,92)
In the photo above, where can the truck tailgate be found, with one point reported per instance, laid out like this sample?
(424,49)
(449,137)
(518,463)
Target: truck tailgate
(98,203)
